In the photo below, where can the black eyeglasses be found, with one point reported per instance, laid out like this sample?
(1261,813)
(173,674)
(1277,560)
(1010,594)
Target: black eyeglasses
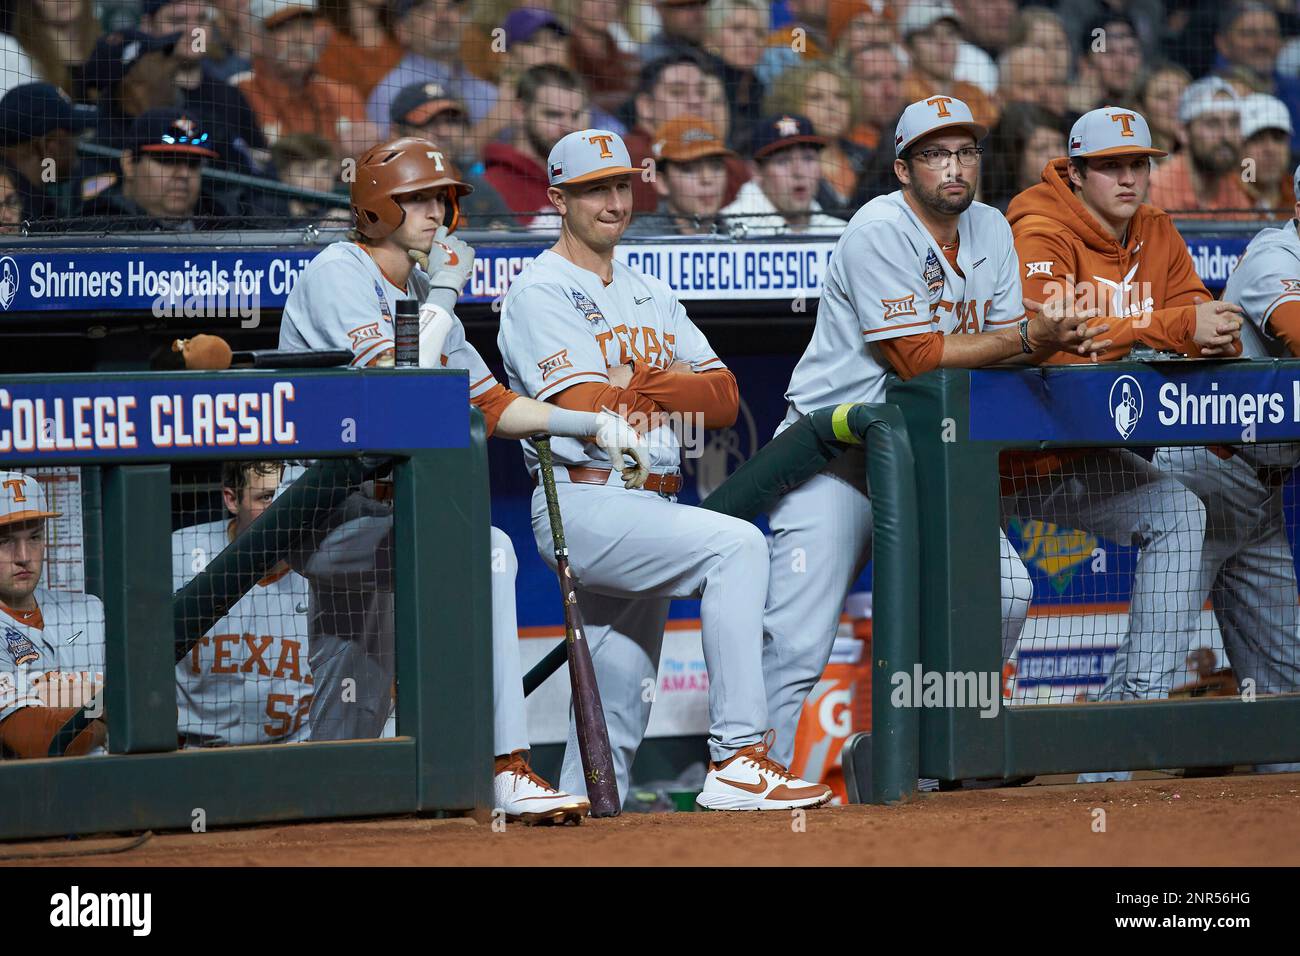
(938,158)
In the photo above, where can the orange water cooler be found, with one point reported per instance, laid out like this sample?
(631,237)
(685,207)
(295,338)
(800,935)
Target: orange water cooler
(840,703)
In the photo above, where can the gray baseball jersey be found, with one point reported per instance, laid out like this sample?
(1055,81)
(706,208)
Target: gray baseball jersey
(66,639)
(1267,277)
(344,301)
(247,681)
(890,278)
(562,326)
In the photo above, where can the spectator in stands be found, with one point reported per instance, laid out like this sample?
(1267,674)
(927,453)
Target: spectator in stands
(162,171)
(284,90)
(431,57)
(1147,19)
(684,24)
(308,161)
(232,52)
(854,25)
(362,49)
(552,104)
(684,84)
(608,70)
(1249,39)
(932,35)
(879,74)
(690,178)
(59,36)
(1031,75)
(1204,180)
(986,27)
(1110,64)
(737,38)
(822,91)
(1026,139)
(1043,29)
(218,107)
(781,196)
(1266,131)
(1164,86)
(429,111)
(805,35)
(39,126)
(11,200)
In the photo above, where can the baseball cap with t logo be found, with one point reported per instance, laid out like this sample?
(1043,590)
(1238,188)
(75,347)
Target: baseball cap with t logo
(1111,131)
(21,499)
(931,115)
(588,155)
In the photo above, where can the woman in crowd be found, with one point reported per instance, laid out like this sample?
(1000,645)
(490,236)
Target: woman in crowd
(58,35)
(1025,140)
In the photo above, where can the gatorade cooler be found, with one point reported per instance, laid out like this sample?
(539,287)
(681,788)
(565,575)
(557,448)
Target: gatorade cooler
(840,703)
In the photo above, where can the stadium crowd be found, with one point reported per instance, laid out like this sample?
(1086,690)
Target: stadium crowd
(751,117)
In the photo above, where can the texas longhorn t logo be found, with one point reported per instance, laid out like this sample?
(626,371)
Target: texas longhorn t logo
(1125,120)
(940,103)
(602,140)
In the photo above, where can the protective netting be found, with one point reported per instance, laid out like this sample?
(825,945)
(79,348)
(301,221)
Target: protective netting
(1150,576)
(747,116)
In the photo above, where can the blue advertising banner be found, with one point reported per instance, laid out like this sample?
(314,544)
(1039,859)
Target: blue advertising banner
(242,414)
(1229,401)
(225,282)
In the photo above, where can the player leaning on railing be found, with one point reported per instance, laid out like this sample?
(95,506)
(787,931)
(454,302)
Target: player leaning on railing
(51,642)
(1085,237)
(405,200)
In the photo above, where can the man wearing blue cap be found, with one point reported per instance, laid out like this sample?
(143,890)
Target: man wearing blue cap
(921,278)
(39,126)
(582,331)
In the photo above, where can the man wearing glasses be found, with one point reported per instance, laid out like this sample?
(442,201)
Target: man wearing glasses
(922,278)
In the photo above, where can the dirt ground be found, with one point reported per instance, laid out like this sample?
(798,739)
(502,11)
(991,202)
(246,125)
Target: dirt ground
(1237,820)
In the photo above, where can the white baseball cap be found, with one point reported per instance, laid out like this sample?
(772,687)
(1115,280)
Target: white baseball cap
(930,115)
(271,13)
(588,155)
(22,499)
(923,14)
(1259,112)
(1112,131)
(1211,94)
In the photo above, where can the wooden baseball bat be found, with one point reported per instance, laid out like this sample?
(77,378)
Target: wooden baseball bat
(588,714)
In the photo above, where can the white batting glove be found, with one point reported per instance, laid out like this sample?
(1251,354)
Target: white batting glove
(618,439)
(449,263)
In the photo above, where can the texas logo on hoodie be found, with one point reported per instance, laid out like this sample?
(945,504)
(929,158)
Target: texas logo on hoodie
(1146,288)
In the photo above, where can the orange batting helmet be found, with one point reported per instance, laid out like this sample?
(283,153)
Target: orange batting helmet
(398,167)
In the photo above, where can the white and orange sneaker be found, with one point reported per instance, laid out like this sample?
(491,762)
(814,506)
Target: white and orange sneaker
(527,798)
(751,780)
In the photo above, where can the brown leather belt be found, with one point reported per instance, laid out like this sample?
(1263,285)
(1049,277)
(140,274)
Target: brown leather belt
(582,475)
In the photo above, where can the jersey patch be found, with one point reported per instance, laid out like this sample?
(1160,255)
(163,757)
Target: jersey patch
(383,301)
(586,308)
(933,275)
(1291,285)
(364,333)
(553,363)
(22,650)
(896,308)
(1038,269)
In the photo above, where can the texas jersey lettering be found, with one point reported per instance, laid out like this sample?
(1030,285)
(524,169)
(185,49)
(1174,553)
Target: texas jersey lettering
(247,681)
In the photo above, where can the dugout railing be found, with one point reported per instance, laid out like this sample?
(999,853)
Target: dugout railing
(958,423)
(441,759)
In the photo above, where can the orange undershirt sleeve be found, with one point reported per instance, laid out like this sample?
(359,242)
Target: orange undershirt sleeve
(911,355)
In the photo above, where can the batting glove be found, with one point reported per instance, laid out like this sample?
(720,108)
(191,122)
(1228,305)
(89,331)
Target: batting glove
(449,263)
(618,439)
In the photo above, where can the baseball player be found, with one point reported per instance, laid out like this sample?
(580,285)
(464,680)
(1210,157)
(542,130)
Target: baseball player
(921,278)
(52,656)
(1084,234)
(1247,565)
(405,201)
(247,681)
(582,331)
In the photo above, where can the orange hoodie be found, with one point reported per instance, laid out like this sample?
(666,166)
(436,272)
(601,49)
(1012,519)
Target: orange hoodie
(1146,289)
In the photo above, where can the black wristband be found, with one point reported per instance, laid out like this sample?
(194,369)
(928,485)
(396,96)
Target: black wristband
(1023,327)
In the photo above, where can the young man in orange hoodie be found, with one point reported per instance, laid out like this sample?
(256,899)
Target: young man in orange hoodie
(1084,235)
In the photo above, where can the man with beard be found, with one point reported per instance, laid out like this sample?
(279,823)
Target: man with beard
(552,104)
(1204,180)
(921,278)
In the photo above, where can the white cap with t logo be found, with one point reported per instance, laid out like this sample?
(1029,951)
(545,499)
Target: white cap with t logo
(21,499)
(1112,131)
(931,115)
(588,155)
